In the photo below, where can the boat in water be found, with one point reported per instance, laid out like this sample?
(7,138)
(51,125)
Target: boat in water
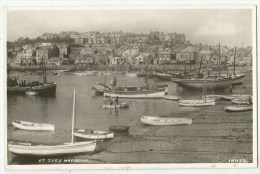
(239,108)
(25,125)
(119,128)
(139,94)
(65,149)
(236,96)
(163,76)
(197,84)
(197,103)
(114,106)
(242,101)
(165,121)
(92,134)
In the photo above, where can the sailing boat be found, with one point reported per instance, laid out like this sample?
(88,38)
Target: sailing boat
(72,148)
(196,103)
(45,88)
(144,92)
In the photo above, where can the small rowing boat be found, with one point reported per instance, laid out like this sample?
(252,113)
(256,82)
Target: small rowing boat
(93,135)
(239,108)
(118,128)
(165,121)
(113,106)
(241,101)
(236,96)
(25,125)
(171,97)
(197,103)
(212,97)
(31,93)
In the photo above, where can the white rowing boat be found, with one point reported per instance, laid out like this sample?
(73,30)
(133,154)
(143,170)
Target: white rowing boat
(93,135)
(236,96)
(212,97)
(171,97)
(113,106)
(241,101)
(27,149)
(197,103)
(239,108)
(136,94)
(25,125)
(165,121)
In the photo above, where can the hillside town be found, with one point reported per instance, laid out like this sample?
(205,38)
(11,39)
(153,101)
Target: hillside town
(113,48)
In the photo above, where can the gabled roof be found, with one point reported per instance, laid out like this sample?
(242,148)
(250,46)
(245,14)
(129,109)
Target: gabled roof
(189,49)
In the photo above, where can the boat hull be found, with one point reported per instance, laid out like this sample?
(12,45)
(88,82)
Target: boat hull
(198,84)
(163,76)
(46,89)
(96,135)
(238,108)
(161,121)
(54,150)
(121,105)
(136,95)
(238,79)
(197,103)
(33,126)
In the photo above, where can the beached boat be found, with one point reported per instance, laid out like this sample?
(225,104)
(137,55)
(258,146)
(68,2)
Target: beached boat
(113,106)
(165,121)
(171,97)
(236,96)
(25,125)
(197,84)
(72,148)
(238,108)
(197,103)
(119,128)
(242,101)
(93,135)
(27,149)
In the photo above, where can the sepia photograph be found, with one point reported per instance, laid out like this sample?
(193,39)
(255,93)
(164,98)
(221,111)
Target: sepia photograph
(130,87)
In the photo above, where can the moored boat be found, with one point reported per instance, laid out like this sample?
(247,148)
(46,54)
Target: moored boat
(114,106)
(197,103)
(212,97)
(163,76)
(242,101)
(197,84)
(237,79)
(27,149)
(119,128)
(144,94)
(165,121)
(236,96)
(25,125)
(239,108)
(93,135)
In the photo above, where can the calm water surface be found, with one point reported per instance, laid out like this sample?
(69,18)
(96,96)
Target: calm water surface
(89,111)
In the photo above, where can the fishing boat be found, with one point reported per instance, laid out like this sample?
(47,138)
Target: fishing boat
(171,97)
(239,108)
(165,121)
(197,84)
(114,106)
(142,94)
(236,96)
(119,128)
(92,135)
(65,149)
(25,125)
(242,101)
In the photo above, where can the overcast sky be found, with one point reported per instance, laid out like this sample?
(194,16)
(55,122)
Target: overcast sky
(230,27)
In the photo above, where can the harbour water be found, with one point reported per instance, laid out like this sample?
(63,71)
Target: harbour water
(211,138)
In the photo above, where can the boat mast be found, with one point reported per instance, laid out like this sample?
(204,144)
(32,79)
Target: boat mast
(73,116)
(234,70)
(219,60)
